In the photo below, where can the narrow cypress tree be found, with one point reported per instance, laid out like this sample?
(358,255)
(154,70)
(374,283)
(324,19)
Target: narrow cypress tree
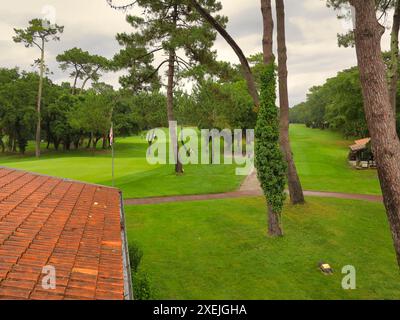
(270,164)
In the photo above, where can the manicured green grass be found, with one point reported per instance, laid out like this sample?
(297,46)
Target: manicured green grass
(219,250)
(134,176)
(321,159)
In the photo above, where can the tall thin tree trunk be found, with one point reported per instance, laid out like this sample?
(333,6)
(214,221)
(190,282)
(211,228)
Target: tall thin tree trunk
(295,188)
(274,224)
(39,103)
(88,78)
(378,111)
(84,84)
(56,144)
(170,111)
(394,63)
(10,142)
(2,145)
(170,102)
(74,86)
(248,75)
(266,10)
(104,141)
(75,81)
(96,140)
(90,141)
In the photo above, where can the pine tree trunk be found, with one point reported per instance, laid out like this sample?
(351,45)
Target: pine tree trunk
(84,84)
(295,188)
(170,111)
(394,63)
(96,140)
(39,104)
(75,81)
(378,111)
(266,10)
(170,101)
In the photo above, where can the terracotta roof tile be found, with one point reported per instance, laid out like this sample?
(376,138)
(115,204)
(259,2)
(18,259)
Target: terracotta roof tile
(71,226)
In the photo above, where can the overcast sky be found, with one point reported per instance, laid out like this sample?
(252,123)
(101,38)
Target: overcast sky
(92,25)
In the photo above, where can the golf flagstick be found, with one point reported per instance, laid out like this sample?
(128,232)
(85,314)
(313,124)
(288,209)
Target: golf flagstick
(112,151)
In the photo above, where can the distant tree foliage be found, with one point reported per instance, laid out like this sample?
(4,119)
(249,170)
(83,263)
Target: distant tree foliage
(218,105)
(18,98)
(383,7)
(337,104)
(82,66)
(68,120)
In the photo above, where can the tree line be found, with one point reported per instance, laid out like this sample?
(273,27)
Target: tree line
(338,105)
(68,114)
(72,121)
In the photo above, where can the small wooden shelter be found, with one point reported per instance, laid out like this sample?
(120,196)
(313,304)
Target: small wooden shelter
(360,155)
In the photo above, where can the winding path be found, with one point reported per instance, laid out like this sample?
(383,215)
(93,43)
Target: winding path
(249,188)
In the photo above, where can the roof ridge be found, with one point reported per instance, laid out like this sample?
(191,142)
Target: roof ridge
(60,178)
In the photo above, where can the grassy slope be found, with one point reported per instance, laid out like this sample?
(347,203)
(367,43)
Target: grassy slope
(218,250)
(321,159)
(134,175)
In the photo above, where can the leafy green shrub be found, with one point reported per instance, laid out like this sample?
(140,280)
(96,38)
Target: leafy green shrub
(135,256)
(141,286)
(140,281)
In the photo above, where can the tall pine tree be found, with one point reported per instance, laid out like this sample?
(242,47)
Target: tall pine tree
(175,31)
(37,34)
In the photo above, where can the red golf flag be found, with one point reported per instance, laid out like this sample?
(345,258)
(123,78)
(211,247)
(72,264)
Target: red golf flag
(111,136)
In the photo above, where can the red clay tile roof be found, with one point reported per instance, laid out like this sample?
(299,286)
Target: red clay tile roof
(72,226)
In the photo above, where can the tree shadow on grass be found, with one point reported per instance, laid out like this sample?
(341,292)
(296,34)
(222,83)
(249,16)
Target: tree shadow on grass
(162,181)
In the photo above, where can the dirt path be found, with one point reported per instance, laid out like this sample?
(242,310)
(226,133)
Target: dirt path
(249,188)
